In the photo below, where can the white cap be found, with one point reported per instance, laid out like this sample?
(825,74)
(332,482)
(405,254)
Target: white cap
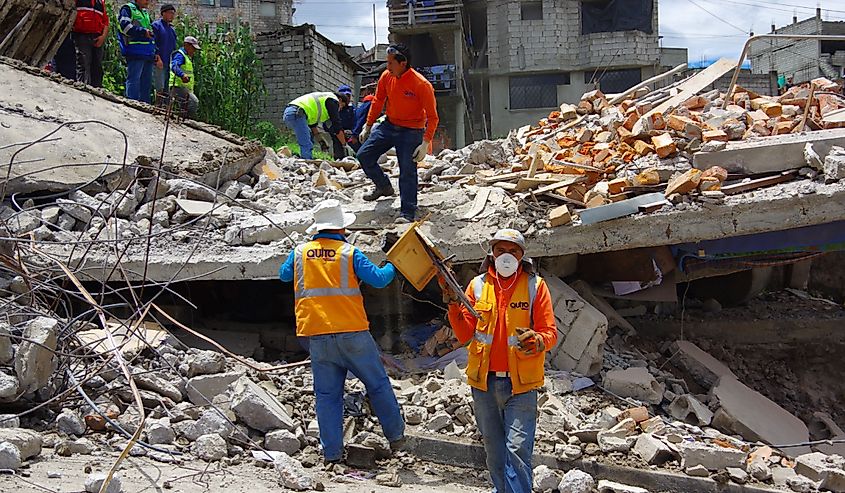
(192,41)
(510,235)
(329,215)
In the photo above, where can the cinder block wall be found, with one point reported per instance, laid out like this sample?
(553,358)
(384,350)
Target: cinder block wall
(329,71)
(248,11)
(287,70)
(797,59)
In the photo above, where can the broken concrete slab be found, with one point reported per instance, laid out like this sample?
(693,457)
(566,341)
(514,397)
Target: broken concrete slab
(636,383)
(714,458)
(705,369)
(27,441)
(652,449)
(193,149)
(690,410)
(34,360)
(813,465)
(606,486)
(583,330)
(202,389)
(255,407)
(748,413)
(769,154)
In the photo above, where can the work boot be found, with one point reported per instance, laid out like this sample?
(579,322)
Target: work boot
(398,445)
(386,191)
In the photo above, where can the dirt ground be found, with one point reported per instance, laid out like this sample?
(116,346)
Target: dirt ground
(803,376)
(143,475)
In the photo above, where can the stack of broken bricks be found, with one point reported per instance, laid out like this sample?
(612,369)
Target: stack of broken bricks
(606,150)
(442,342)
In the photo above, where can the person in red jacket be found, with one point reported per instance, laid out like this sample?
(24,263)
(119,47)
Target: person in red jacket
(410,125)
(506,356)
(90,30)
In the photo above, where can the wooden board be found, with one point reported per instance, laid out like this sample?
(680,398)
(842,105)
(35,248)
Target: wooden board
(759,183)
(478,204)
(689,89)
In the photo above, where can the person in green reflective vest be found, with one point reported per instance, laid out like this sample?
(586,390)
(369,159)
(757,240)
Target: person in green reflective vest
(137,44)
(182,74)
(309,111)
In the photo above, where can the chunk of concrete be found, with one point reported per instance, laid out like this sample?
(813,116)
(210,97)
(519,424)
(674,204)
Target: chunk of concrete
(834,165)
(282,441)
(70,423)
(27,441)
(10,456)
(690,410)
(756,418)
(814,464)
(714,458)
(95,481)
(545,478)
(255,407)
(210,422)
(576,481)
(160,432)
(34,361)
(636,383)
(698,471)
(7,352)
(360,456)
(202,389)
(291,473)
(156,383)
(652,449)
(705,369)
(9,387)
(205,363)
(833,480)
(800,484)
(606,486)
(209,448)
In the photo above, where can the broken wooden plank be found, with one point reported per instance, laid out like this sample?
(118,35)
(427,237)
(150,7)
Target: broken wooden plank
(561,198)
(570,180)
(536,161)
(657,78)
(478,204)
(689,89)
(759,183)
(769,154)
(485,179)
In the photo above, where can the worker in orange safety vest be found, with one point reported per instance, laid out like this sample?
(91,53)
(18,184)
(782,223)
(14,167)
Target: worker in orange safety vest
(507,346)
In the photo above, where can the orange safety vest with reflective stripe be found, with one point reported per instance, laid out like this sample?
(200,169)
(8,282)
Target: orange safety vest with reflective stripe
(327,295)
(526,372)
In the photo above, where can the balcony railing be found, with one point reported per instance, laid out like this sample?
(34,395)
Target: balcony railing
(423,12)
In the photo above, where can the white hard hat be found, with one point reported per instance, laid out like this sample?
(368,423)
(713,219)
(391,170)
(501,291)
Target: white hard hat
(510,235)
(329,215)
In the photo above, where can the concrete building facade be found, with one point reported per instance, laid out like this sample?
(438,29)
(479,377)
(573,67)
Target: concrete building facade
(298,60)
(261,15)
(801,60)
(517,60)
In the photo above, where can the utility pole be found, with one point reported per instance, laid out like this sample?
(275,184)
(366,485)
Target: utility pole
(375,36)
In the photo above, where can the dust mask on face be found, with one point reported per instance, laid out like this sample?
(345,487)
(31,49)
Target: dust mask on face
(506,265)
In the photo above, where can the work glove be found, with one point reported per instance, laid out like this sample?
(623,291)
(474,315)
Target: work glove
(421,151)
(449,296)
(349,150)
(530,342)
(365,132)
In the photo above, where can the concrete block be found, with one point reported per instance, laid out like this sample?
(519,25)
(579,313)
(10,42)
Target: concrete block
(576,481)
(652,450)
(291,473)
(360,456)
(202,389)
(255,407)
(690,410)
(10,456)
(834,165)
(714,458)
(28,442)
(833,480)
(34,361)
(705,369)
(814,464)
(636,383)
(545,478)
(755,417)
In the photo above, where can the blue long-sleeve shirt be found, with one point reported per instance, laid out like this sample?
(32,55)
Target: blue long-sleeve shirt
(361,116)
(132,32)
(368,272)
(165,38)
(176,63)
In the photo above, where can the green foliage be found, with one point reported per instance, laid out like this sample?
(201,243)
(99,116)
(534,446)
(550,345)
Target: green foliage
(227,72)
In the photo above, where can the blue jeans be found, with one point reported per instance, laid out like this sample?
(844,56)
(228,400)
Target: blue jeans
(296,120)
(405,140)
(139,79)
(332,356)
(161,78)
(507,424)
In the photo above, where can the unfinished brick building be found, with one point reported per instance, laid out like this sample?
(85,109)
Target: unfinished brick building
(499,64)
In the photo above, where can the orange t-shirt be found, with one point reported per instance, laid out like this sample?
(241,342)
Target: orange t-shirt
(543,315)
(410,102)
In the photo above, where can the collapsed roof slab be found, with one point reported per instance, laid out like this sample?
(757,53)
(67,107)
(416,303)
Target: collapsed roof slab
(782,207)
(93,153)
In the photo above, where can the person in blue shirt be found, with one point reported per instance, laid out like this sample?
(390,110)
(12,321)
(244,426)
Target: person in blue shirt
(165,39)
(137,45)
(347,122)
(361,111)
(326,274)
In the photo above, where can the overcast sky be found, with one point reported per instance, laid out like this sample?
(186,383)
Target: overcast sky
(709,28)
